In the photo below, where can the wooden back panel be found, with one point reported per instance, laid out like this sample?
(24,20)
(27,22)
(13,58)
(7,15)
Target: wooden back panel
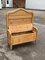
(19,16)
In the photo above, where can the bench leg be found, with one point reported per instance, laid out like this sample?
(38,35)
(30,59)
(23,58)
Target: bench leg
(35,41)
(11,47)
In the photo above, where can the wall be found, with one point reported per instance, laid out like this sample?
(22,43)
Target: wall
(35,4)
(0,5)
(10,3)
(4,3)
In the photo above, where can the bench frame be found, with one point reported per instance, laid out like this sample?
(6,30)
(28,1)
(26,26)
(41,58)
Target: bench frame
(18,37)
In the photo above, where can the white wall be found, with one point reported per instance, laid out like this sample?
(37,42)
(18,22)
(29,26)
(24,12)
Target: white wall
(4,3)
(0,5)
(35,4)
(11,3)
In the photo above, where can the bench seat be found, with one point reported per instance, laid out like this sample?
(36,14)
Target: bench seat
(19,28)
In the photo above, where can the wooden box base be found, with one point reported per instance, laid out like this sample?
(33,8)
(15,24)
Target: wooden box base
(14,39)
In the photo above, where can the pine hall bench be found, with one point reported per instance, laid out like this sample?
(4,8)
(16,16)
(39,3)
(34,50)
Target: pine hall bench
(20,27)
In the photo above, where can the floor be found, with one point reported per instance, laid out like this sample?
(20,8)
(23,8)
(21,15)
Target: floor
(28,51)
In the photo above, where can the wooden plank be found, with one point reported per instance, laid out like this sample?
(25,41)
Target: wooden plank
(13,17)
(20,28)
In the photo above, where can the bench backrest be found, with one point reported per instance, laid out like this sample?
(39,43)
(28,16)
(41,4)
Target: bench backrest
(19,16)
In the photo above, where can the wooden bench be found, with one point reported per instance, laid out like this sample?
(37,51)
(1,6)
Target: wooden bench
(20,27)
